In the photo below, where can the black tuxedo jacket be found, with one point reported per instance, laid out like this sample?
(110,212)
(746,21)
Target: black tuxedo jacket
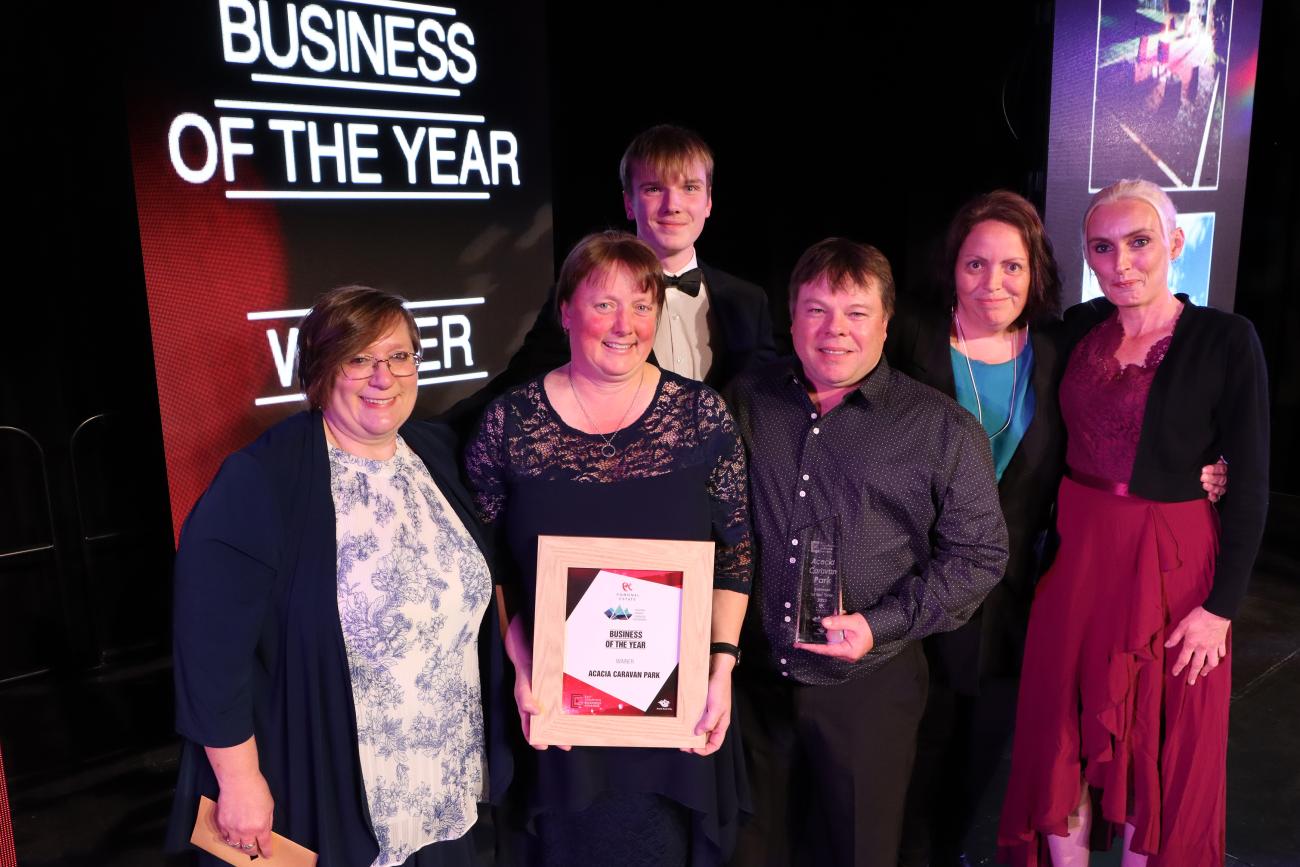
(738,309)
(992,642)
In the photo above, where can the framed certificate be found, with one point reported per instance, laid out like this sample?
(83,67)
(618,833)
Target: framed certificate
(621,635)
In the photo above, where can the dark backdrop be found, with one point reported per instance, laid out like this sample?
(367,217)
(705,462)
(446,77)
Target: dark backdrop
(874,125)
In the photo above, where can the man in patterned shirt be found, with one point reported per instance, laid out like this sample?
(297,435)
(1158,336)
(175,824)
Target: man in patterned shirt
(899,480)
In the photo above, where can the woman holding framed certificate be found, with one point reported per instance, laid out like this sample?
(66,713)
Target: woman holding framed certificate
(609,445)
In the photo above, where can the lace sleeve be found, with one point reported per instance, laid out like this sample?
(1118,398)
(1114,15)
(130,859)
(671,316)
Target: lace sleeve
(733,564)
(485,463)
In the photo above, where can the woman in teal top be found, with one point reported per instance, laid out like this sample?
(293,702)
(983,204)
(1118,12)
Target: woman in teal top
(1000,395)
(992,346)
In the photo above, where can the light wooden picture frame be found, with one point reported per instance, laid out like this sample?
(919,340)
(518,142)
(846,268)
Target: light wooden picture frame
(559,558)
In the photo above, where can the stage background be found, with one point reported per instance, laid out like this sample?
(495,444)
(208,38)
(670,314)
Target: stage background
(1166,97)
(282,149)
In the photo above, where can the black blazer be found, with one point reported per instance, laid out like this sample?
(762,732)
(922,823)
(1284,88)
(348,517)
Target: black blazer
(738,308)
(992,643)
(1209,398)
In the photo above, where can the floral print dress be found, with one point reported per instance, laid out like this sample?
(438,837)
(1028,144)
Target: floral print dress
(412,589)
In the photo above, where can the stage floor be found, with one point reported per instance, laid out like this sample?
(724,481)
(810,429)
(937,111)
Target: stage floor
(112,814)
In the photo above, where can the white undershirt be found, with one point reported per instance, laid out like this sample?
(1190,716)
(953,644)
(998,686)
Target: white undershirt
(684,339)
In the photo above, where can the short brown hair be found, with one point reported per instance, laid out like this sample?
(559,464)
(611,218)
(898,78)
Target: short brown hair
(667,151)
(1004,206)
(343,322)
(845,264)
(604,251)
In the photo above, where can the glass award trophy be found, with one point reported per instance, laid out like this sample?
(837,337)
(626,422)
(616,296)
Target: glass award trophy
(819,582)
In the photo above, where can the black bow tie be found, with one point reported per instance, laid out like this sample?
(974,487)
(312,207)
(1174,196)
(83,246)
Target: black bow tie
(688,282)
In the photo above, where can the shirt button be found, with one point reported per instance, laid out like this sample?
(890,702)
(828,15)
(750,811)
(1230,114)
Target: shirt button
(805,477)
(783,662)
(792,560)
(803,493)
(812,415)
(787,605)
(794,541)
(676,318)
(817,430)
(785,674)
(787,618)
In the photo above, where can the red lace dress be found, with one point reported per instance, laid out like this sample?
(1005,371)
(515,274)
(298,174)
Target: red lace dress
(1097,702)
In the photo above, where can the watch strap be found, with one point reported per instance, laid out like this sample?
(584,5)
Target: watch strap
(725,647)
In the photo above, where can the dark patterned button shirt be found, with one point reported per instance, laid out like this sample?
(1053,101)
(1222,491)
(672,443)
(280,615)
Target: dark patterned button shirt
(909,475)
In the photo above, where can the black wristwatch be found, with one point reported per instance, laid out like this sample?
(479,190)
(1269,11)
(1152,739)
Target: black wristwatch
(725,647)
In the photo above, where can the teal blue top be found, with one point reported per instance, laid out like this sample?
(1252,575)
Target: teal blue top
(994,382)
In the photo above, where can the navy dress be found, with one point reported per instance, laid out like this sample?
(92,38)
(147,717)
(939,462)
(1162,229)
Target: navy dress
(679,474)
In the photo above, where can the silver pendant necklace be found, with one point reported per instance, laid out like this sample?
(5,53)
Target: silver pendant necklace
(1015,371)
(608,450)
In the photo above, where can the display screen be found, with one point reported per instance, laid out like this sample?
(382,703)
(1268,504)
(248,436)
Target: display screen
(1161,91)
(281,149)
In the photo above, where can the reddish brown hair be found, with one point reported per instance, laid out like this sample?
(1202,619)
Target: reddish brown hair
(343,322)
(604,251)
(1004,206)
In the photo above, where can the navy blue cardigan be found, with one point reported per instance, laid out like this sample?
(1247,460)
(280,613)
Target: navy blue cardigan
(258,645)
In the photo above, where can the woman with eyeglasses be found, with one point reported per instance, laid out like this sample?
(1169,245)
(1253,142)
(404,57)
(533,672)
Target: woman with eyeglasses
(331,586)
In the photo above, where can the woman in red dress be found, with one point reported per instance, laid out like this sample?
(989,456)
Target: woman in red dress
(1122,722)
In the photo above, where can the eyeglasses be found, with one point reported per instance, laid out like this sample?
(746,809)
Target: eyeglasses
(364,366)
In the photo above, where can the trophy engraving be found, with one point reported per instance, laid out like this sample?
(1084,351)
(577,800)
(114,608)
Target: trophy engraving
(820,587)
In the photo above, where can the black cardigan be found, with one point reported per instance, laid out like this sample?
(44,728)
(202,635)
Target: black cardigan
(992,643)
(1209,398)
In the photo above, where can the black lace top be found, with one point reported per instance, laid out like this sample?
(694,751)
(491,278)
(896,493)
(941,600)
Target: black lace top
(678,473)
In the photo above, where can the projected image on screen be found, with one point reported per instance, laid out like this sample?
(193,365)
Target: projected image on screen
(1164,91)
(1189,274)
(281,149)
(1159,91)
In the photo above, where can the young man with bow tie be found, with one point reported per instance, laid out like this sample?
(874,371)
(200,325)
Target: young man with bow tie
(713,325)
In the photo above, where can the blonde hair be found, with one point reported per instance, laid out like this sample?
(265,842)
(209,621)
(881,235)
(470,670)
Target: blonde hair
(1139,190)
(666,151)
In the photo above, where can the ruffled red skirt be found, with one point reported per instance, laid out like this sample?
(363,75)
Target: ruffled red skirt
(8,857)
(1097,702)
